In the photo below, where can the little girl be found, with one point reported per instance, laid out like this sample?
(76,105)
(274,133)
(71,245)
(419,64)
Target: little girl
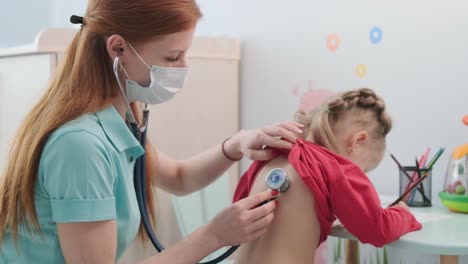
(343,139)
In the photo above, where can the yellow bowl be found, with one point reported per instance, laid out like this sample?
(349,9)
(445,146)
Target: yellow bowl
(454,202)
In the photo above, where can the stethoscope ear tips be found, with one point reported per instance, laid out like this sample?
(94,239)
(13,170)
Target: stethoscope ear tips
(277,179)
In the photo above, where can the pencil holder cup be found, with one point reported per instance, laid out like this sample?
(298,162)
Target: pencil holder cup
(421,195)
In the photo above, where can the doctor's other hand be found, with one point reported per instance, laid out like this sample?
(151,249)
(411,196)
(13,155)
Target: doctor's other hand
(262,144)
(243,221)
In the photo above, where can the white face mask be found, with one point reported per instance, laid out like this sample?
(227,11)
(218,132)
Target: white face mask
(165,83)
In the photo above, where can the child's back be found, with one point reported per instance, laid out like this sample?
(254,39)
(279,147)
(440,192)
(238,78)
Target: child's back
(294,233)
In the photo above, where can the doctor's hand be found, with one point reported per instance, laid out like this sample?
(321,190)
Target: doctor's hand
(260,144)
(243,221)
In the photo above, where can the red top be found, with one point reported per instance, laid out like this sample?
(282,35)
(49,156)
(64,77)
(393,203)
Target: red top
(340,189)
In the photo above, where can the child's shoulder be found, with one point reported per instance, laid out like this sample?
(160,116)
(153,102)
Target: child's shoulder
(326,155)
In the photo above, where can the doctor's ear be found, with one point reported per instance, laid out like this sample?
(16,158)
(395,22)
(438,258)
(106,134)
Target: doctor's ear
(116,45)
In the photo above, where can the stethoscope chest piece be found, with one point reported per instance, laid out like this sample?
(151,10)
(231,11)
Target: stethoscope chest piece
(277,179)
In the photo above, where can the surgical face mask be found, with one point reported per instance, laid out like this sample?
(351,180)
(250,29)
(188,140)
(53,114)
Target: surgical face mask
(165,83)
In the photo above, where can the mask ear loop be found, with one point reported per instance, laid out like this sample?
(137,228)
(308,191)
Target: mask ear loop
(116,73)
(138,55)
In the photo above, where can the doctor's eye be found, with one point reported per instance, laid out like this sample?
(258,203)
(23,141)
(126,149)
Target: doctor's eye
(173,59)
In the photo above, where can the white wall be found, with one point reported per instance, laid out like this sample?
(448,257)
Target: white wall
(20,20)
(419,67)
(422,55)
(62,10)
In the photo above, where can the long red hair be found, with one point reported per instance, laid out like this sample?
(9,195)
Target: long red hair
(84,83)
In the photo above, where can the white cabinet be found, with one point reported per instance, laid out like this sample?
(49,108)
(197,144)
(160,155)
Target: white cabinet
(23,79)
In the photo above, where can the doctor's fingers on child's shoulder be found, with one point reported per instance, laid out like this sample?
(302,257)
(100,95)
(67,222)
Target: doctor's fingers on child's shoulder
(287,130)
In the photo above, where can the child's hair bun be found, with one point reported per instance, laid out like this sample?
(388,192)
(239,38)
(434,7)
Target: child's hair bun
(368,99)
(337,104)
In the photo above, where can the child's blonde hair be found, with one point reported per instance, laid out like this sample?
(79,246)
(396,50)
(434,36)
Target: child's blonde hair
(362,106)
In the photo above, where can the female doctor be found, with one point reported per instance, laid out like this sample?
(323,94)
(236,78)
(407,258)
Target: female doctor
(67,194)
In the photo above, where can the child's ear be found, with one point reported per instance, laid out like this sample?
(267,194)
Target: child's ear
(357,140)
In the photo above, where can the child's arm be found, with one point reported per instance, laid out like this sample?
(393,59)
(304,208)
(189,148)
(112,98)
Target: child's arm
(356,203)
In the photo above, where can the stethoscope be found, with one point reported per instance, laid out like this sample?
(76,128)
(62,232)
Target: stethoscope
(140,190)
(276,179)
